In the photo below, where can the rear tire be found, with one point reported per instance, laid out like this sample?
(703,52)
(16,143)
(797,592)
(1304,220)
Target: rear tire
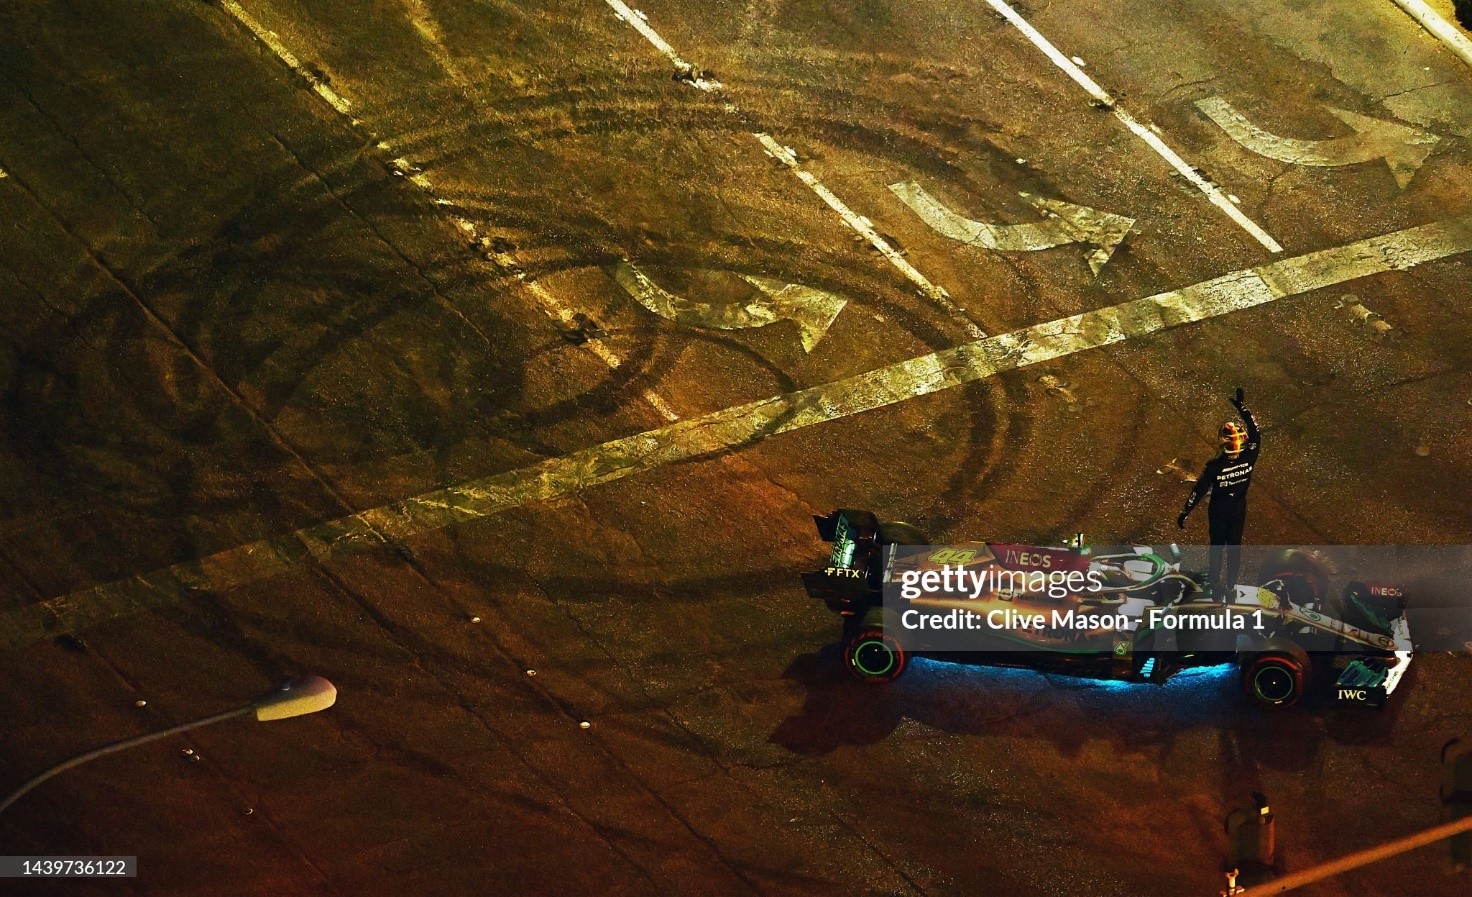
(873,655)
(1276,677)
(900,533)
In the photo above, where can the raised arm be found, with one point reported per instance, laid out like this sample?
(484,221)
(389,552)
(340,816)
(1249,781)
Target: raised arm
(1254,435)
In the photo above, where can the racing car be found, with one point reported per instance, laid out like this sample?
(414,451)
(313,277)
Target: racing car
(1121,616)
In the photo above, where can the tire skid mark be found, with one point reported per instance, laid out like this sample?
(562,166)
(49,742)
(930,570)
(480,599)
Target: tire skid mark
(553,306)
(633,110)
(415,175)
(788,158)
(269,38)
(721,432)
(1104,100)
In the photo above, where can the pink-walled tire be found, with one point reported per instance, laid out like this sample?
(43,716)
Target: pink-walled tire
(1275,679)
(873,655)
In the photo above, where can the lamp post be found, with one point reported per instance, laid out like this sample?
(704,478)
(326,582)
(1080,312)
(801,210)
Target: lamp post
(296,698)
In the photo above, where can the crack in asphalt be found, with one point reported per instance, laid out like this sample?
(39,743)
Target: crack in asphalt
(730,863)
(701,744)
(1401,93)
(420,653)
(76,144)
(372,226)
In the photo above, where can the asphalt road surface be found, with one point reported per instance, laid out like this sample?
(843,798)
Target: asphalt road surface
(490,359)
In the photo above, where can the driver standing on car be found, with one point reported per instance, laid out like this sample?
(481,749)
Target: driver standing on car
(1227,477)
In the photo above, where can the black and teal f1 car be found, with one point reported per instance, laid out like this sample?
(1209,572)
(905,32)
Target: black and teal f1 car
(1127,613)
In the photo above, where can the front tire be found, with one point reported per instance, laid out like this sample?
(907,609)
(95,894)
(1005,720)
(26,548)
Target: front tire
(1276,678)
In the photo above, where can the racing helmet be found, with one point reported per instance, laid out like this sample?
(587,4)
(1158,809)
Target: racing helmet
(1234,437)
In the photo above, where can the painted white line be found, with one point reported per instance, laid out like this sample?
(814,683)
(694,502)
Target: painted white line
(423,20)
(864,228)
(640,23)
(562,313)
(269,38)
(1212,192)
(550,303)
(430,31)
(414,175)
(1042,43)
(1440,28)
(1144,132)
(596,346)
(858,223)
(735,428)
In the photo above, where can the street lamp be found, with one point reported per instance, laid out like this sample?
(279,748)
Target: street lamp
(296,698)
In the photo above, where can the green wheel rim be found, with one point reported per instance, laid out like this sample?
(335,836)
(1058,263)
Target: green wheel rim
(886,652)
(1273,683)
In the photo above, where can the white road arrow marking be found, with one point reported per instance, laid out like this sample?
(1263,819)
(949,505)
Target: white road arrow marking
(784,154)
(1104,100)
(732,429)
(1403,148)
(813,310)
(1066,223)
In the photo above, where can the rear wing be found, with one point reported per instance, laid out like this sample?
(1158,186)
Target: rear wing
(850,580)
(855,538)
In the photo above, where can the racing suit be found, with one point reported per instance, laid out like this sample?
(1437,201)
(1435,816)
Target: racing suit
(1227,479)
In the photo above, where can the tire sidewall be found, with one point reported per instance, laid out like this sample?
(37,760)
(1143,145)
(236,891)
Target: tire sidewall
(873,655)
(1263,670)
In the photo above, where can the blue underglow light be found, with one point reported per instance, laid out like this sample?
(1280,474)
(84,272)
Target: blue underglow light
(1193,677)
